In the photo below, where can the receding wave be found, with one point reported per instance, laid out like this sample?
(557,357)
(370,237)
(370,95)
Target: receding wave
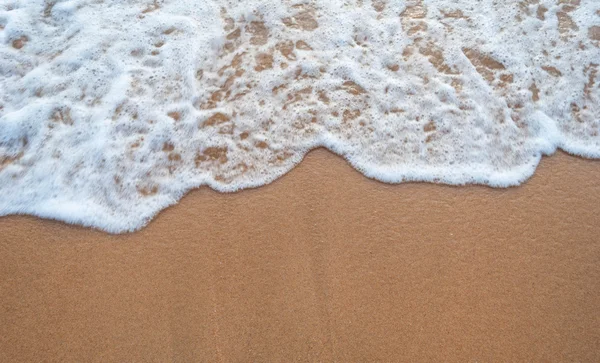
(110,110)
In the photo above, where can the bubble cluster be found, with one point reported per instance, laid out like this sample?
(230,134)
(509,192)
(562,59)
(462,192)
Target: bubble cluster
(111,110)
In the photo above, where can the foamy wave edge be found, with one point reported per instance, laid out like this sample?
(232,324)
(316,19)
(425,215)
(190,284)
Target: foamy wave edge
(112,111)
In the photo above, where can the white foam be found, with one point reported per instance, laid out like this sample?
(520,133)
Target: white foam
(111,110)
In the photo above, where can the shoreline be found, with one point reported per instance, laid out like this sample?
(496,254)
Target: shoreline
(318,150)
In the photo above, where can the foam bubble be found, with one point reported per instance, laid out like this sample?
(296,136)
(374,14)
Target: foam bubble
(111,110)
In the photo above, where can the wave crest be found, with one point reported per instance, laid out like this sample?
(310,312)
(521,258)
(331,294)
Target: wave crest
(111,110)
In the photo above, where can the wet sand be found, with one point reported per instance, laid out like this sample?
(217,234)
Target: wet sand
(322,265)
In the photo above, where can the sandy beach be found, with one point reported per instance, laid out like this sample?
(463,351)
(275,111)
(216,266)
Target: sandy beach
(322,265)
(111,111)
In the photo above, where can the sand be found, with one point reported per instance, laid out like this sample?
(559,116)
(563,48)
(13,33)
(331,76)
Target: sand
(322,265)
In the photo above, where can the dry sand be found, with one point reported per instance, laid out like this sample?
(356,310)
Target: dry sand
(322,265)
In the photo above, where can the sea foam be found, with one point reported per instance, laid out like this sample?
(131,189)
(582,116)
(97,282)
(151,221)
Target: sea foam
(110,110)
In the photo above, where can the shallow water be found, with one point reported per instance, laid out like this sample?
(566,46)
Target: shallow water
(111,110)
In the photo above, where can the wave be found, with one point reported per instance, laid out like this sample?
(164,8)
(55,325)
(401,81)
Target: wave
(112,110)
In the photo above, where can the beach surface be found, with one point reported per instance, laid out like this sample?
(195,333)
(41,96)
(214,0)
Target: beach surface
(322,265)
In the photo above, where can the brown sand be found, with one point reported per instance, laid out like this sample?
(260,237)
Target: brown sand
(322,265)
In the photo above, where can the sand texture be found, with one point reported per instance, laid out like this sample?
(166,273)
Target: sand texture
(322,265)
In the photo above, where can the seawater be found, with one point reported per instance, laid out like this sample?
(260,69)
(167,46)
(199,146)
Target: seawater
(110,110)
